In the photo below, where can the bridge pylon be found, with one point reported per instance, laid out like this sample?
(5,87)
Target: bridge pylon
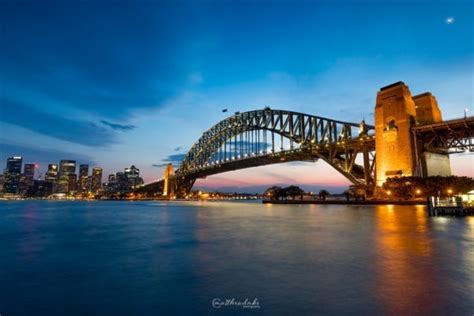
(398,153)
(169,183)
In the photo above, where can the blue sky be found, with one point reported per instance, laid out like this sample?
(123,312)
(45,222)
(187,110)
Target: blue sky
(115,83)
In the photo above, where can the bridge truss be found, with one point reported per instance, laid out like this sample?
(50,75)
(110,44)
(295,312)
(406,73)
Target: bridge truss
(453,136)
(270,136)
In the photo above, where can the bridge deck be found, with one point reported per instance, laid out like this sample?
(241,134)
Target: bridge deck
(449,125)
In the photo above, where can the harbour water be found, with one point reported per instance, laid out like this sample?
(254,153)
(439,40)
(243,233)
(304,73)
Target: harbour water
(157,258)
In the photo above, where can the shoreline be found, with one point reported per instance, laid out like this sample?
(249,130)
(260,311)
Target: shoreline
(284,202)
(342,202)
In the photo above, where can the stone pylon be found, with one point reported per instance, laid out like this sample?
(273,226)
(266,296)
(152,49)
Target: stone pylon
(168,186)
(396,112)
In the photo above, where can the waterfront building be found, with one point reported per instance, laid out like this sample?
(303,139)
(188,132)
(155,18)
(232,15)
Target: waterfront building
(42,188)
(51,175)
(66,168)
(29,172)
(96,181)
(12,175)
(23,185)
(111,178)
(133,175)
(72,183)
(122,181)
(83,178)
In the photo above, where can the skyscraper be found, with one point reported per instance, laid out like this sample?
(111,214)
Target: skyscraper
(12,175)
(51,176)
(66,168)
(27,178)
(83,178)
(133,175)
(72,182)
(96,179)
(29,172)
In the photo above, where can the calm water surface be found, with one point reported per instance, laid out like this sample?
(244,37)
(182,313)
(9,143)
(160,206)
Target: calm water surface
(153,258)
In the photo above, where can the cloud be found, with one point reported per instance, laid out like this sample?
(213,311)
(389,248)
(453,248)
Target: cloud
(110,69)
(68,129)
(118,127)
(175,159)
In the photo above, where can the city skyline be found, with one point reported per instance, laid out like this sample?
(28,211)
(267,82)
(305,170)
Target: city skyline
(141,88)
(66,179)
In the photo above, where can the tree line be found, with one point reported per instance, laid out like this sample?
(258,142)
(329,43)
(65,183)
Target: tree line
(292,191)
(413,187)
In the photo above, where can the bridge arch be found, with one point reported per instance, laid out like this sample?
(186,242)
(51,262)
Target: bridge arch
(310,138)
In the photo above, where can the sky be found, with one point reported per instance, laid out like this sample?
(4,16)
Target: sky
(116,83)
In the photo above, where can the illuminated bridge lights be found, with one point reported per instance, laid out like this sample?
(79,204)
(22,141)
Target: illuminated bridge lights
(237,143)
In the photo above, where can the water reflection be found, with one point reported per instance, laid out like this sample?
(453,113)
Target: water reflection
(405,281)
(307,259)
(32,242)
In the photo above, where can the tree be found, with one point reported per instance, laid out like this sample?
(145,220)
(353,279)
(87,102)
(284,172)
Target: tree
(410,187)
(347,194)
(273,193)
(323,194)
(293,191)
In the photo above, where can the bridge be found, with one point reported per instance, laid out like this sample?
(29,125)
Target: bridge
(409,138)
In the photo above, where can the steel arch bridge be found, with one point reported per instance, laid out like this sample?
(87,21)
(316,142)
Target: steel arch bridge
(269,136)
(409,136)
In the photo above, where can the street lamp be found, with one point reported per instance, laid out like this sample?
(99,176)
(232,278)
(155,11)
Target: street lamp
(450,191)
(418,191)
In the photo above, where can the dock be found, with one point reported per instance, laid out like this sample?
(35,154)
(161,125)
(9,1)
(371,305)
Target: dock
(453,206)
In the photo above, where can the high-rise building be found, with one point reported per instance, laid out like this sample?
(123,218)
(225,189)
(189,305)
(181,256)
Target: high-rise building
(83,178)
(12,175)
(51,176)
(122,183)
(112,177)
(66,168)
(29,172)
(96,179)
(72,182)
(133,175)
(42,188)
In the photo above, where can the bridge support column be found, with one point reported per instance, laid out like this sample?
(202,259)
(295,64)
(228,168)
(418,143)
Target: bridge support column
(395,115)
(429,163)
(399,153)
(169,185)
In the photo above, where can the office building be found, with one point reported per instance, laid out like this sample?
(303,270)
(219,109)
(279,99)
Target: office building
(66,169)
(96,182)
(83,186)
(12,175)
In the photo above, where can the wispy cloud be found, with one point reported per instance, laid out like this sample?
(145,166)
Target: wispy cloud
(118,127)
(175,159)
(64,128)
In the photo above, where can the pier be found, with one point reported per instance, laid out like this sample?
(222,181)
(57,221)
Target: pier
(453,206)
